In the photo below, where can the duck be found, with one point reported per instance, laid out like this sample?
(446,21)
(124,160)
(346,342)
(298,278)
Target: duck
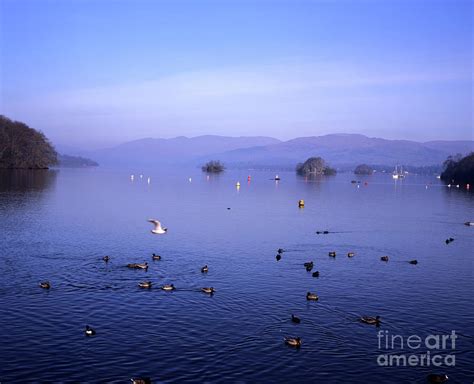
(414,262)
(309,268)
(168,287)
(469,223)
(371,320)
(138,266)
(308,264)
(280,250)
(278,257)
(350,254)
(145,284)
(209,290)
(204,269)
(141,380)
(384,258)
(315,274)
(332,254)
(449,240)
(295,319)
(312,296)
(89,331)
(293,341)
(435,378)
(322,232)
(45,285)
(106,259)
(154,256)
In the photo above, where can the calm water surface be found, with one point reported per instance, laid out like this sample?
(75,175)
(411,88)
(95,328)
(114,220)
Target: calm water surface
(57,226)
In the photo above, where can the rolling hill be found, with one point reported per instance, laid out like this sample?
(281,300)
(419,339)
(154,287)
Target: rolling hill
(337,149)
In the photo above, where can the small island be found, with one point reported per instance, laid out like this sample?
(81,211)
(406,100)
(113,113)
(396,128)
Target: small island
(363,169)
(22,147)
(213,166)
(458,169)
(315,166)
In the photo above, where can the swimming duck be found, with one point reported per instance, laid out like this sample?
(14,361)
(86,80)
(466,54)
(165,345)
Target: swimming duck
(141,380)
(106,259)
(209,290)
(350,254)
(316,274)
(295,319)
(322,232)
(308,264)
(89,331)
(280,250)
(155,257)
(278,257)
(469,223)
(414,262)
(45,285)
(332,254)
(449,240)
(371,320)
(138,266)
(204,269)
(434,378)
(145,284)
(384,258)
(311,296)
(293,341)
(168,287)
(309,268)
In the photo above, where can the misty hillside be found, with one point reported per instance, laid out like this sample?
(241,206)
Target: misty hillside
(349,149)
(337,149)
(181,149)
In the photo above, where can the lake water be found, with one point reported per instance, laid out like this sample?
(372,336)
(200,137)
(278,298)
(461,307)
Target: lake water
(57,226)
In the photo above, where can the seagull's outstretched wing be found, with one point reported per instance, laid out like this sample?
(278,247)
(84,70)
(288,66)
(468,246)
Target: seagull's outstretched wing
(156,222)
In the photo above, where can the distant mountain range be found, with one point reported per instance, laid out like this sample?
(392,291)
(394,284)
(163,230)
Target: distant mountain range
(339,150)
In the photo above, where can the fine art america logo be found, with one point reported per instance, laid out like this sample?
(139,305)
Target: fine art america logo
(431,350)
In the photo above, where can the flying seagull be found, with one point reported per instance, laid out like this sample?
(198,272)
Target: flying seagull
(158,230)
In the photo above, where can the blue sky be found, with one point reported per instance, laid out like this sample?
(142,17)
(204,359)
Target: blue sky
(96,73)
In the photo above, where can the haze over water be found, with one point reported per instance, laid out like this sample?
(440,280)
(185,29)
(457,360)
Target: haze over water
(57,225)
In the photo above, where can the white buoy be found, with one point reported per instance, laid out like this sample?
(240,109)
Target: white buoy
(141,176)
(148,180)
(132,177)
(190,179)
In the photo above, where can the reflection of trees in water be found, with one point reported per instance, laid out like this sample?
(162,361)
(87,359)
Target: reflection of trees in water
(312,180)
(21,189)
(24,180)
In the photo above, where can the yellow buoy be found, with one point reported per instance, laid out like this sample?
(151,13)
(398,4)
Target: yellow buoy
(301,203)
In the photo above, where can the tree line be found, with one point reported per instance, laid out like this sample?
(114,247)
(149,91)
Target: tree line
(24,147)
(458,169)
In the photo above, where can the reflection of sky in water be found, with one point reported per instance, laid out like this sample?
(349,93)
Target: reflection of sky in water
(64,228)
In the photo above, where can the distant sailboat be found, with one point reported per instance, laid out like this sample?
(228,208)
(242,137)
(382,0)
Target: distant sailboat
(398,174)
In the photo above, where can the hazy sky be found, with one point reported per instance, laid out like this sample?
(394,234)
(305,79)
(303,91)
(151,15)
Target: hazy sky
(95,73)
